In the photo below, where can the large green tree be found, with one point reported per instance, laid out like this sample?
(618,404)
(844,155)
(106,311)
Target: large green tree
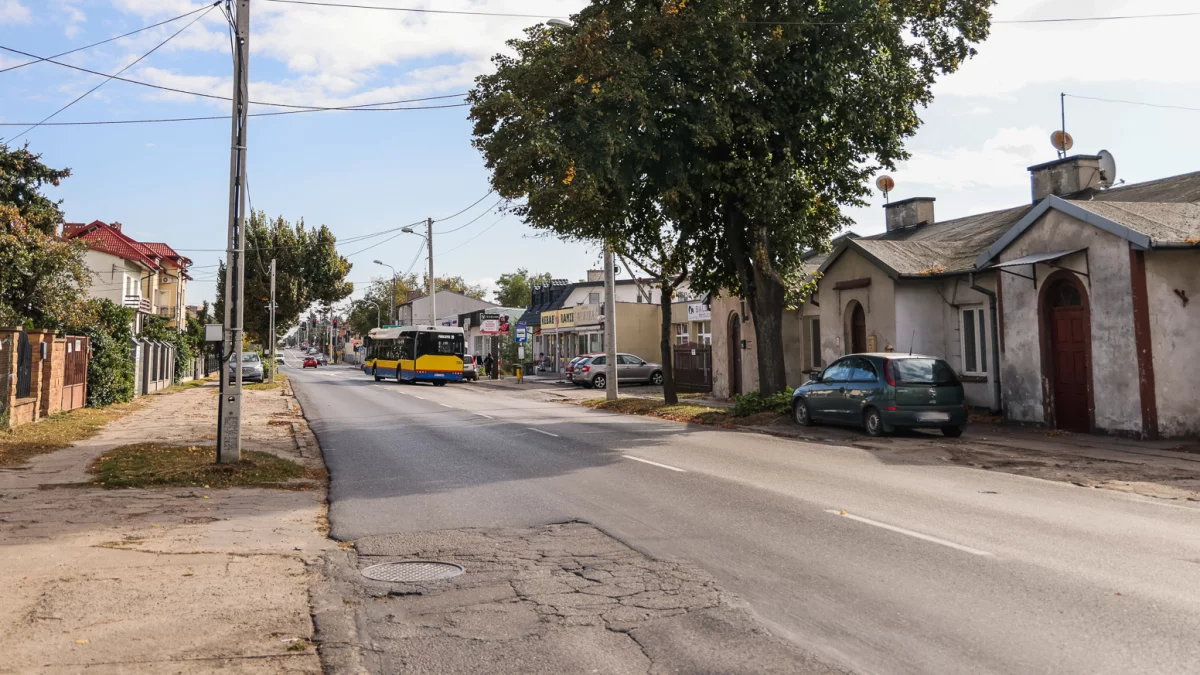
(732,131)
(42,278)
(516,288)
(22,177)
(308,270)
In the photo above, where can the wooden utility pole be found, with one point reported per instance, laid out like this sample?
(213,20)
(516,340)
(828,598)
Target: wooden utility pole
(229,408)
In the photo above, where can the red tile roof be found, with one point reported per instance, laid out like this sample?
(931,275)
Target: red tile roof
(109,239)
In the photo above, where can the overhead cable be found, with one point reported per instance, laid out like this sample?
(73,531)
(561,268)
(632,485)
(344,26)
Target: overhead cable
(165,120)
(110,78)
(438,220)
(111,39)
(1128,102)
(489,210)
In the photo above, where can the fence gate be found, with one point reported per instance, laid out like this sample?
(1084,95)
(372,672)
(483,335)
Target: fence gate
(75,367)
(693,368)
(24,365)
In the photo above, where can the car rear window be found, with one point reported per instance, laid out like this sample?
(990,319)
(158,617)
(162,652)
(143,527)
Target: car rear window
(924,371)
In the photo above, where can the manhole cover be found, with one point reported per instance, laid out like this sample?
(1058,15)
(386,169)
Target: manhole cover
(412,571)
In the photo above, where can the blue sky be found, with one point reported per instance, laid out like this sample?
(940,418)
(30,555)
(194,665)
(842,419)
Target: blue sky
(364,172)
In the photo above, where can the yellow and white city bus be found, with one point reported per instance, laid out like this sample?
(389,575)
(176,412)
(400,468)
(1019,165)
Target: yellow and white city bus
(415,354)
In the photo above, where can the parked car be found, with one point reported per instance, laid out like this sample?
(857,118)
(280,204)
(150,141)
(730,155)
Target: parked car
(252,368)
(883,392)
(574,363)
(630,369)
(309,362)
(471,367)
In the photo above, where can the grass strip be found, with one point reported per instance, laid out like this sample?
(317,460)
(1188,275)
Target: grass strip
(682,412)
(156,464)
(59,431)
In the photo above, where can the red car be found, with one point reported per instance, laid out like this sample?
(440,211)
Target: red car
(310,362)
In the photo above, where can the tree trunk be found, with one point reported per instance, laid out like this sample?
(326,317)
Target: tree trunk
(767,304)
(670,395)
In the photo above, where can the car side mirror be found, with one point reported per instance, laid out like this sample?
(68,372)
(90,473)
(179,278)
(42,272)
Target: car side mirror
(814,378)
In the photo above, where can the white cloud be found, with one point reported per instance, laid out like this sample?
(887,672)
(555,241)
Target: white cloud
(1078,54)
(1000,163)
(12,11)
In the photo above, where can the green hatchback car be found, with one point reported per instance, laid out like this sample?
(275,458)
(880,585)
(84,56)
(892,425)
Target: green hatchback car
(883,392)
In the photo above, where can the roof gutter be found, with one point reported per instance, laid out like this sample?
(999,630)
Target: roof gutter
(1175,244)
(991,295)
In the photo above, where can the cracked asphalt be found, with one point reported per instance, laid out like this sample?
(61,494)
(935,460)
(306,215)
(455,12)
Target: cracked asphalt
(868,562)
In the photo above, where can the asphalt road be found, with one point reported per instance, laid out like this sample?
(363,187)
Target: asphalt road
(883,568)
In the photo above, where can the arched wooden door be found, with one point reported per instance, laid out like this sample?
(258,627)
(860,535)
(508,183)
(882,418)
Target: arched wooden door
(858,329)
(735,354)
(1068,324)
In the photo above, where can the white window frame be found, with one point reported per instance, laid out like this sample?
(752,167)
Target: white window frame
(978,319)
(703,332)
(682,334)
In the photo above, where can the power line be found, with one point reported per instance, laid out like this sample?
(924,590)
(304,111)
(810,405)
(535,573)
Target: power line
(414,10)
(1128,102)
(216,97)
(316,3)
(226,117)
(111,39)
(480,234)
(438,220)
(110,78)
(460,227)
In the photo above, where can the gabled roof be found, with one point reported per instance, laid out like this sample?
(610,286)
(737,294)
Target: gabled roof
(103,237)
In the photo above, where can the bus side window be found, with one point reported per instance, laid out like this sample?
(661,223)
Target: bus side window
(406,346)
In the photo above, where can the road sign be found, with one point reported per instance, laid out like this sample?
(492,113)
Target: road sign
(522,333)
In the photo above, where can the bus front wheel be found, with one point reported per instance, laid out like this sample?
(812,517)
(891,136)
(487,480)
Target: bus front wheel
(375,374)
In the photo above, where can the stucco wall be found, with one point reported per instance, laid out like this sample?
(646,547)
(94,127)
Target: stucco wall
(1114,357)
(108,274)
(878,301)
(928,319)
(1174,328)
(793,347)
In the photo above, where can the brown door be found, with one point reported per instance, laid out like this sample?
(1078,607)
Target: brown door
(735,355)
(1070,335)
(858,330)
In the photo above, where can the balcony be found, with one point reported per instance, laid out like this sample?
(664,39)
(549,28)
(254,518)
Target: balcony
(168,312)
(142,305)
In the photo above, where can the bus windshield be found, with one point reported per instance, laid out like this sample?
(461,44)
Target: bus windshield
(442,344)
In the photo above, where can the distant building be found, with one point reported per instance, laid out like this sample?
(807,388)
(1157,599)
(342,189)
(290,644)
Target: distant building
(148,277)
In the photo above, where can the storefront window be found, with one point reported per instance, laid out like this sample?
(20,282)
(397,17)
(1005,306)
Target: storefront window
(681,333)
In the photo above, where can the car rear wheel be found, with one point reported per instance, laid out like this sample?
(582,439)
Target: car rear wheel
(952,432)
(873,422)
(800,413)
(656,379)
(599,382)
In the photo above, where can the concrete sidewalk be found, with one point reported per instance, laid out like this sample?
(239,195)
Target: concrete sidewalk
(175,580)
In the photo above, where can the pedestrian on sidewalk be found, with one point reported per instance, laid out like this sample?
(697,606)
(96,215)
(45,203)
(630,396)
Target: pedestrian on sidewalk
(487,365)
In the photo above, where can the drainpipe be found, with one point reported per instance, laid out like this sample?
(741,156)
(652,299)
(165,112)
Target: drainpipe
(991,295)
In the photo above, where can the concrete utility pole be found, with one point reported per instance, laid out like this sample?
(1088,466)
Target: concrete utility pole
(610,326)
(229,408)
(272,329)
(432,283)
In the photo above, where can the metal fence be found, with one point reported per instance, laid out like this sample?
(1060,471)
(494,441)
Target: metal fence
(24,365)
(693,368)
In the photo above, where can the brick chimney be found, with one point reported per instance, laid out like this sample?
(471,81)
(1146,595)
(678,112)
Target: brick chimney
(1064,176)
(909,213)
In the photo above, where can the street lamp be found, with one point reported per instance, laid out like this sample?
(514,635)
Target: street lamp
(392,309)
(378,312)
(432,293)
(559,23)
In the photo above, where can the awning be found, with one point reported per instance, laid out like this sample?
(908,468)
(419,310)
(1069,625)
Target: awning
(1036,258)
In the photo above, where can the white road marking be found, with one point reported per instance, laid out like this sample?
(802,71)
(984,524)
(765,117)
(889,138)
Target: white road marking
(662,466)
(486,416)
(542,432)
(445,406)
(420,397)
(901,530)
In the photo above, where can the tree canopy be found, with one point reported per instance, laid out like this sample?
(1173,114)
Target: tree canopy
(516,288)
(308,269)
(735,131)
(22,176)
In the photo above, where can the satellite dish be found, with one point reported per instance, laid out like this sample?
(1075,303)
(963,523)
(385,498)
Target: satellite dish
(885,184)
(1108,169)
(1062,141)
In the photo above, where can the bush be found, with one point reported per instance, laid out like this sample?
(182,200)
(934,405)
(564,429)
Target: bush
(745,405)
(110,369)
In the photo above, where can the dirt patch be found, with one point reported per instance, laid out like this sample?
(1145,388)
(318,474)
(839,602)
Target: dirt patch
(155,464)
(683,412)
(59,431)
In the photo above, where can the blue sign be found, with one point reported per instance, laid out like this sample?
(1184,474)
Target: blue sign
(522,333)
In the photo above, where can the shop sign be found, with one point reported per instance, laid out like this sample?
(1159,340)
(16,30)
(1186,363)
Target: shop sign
(587,315)
(698,311)
(549,319)
(566,318)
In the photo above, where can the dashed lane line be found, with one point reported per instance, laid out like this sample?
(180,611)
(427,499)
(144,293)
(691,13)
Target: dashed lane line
(910,533)
(542,432)
(663,466)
